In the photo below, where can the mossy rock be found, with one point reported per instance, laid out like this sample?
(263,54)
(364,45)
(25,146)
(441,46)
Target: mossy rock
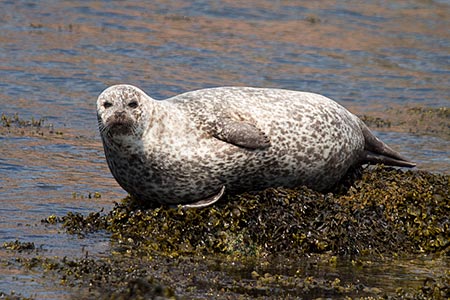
(14,124)
(416,119)
(276,243)
(387,211)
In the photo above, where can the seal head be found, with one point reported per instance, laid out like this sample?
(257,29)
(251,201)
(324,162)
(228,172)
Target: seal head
(120,113)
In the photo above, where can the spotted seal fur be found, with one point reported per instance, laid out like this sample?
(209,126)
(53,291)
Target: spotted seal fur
(189,148)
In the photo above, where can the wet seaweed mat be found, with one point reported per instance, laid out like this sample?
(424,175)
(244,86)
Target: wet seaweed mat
(123,277)
(417,120)
(270,242)
(278,242)
(387,211)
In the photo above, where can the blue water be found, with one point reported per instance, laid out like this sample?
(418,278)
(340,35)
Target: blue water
(57,56)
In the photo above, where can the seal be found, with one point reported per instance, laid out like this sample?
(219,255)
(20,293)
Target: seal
(190,148)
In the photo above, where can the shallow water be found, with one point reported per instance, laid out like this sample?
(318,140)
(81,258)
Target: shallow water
(57,56)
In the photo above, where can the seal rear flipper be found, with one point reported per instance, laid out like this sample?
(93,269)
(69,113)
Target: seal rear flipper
(240,133)
(370,157)
(378,152)
(207,201)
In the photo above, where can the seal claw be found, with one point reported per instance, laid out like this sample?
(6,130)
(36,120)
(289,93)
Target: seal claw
(207,201)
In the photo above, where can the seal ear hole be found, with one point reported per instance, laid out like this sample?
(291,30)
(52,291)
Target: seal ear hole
(133,104)
(107,104)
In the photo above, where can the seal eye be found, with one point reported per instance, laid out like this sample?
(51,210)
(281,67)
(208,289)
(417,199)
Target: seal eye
(133,104)
(107,104)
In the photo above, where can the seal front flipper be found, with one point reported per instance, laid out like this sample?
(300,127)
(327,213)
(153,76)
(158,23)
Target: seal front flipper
(207,201)
(240,133)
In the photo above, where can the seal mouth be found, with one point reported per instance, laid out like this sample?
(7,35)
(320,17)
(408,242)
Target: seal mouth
(120,128)
(115,126)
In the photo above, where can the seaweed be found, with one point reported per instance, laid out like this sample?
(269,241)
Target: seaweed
(387,211)
(18,245)
(275,243)
(416,119)
(33,126)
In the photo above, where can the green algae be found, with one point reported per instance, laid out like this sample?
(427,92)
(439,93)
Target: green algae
(13,296)
(416,119)
(376,122)
(276,243)
(232,245)
(15,120)
(18,245)
(387,211)
(209,277)
(33,126)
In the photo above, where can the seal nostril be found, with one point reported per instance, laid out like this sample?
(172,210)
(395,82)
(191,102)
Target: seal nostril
(119,114)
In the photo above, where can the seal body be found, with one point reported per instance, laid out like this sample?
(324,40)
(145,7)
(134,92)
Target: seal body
(189,147)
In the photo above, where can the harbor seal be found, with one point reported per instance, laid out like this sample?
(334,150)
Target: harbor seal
(190,148)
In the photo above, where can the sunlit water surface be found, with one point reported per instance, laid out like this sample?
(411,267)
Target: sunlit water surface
(57,56)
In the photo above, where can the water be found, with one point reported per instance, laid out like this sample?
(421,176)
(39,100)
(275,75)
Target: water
(57,56)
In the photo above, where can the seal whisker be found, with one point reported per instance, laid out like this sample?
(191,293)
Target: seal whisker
(103,129)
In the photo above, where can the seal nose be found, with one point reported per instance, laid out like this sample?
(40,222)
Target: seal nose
(120,115)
